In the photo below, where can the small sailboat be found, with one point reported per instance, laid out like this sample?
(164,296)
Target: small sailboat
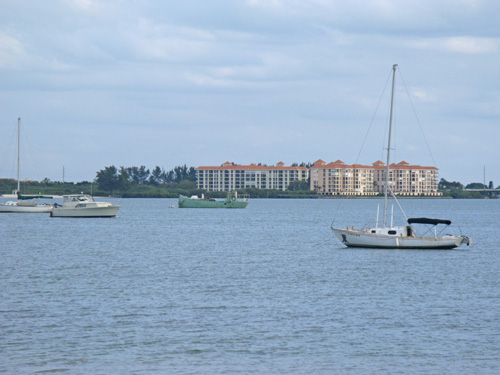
(404,236)
(25,203)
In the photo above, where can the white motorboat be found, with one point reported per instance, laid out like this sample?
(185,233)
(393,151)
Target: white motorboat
(22,204)
(83,205)
(399,237)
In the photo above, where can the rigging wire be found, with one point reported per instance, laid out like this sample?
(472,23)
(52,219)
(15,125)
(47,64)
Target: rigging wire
(395,129)
(9,156)
(29,159)
(335,214)
(373,117)
(416,116)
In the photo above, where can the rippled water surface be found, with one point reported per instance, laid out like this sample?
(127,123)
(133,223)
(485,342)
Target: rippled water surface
(264,290)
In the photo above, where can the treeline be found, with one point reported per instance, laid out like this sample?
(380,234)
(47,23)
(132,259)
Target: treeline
(46,187)
(447,185)
(123,179)
(140,182)
(454,189)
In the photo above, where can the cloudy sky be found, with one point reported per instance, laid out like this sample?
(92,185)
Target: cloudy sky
(131,83)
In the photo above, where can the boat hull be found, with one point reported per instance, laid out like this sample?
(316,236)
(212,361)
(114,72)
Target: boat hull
(109,211)
(43,208)
(185,202)
(356,238)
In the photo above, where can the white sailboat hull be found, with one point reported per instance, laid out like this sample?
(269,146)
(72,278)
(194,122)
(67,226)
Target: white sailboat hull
(359,238)
(43,208)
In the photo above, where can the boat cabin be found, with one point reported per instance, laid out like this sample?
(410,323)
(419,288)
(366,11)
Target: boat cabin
(406,231)
(77,198)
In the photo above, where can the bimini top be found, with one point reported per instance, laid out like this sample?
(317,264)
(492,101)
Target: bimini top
(424,220)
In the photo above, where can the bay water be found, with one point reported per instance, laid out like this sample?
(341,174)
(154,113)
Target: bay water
(261,290)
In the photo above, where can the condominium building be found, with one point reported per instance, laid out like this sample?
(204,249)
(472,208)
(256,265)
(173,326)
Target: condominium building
(229,177)
(338,178)
(406,179)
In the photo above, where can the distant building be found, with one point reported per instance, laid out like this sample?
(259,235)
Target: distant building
(229,177)
(406,179)
(338,178)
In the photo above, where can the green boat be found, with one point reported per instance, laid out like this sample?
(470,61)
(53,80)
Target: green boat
(231,201)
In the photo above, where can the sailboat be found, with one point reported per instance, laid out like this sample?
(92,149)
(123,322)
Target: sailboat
(404,236)
(24,204)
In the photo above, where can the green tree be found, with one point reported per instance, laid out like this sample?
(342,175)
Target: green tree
(446,185)
(108,179)
(155,178)
(475,185)
(142,175)
(124,179)
(298,185)
(191,174)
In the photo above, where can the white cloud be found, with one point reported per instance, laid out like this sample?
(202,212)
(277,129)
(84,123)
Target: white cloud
(471,44)
(459,44)
(207,81)
(263,68)
(11,51)
(422,95)
(152,41)
(85,5)
(267,3)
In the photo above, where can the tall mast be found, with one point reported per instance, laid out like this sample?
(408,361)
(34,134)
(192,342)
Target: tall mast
(389,143)
(18,145)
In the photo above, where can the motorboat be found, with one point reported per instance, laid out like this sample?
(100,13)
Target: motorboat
(83,205)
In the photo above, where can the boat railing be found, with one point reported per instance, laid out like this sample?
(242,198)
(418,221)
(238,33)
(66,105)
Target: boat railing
(433,228)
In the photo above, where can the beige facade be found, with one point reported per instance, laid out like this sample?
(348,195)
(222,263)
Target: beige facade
(406,179)
(229,177)
(338,178)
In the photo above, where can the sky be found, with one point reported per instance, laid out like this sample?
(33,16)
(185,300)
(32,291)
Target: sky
(167,83)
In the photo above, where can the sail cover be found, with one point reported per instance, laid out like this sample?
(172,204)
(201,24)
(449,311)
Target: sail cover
(424,220)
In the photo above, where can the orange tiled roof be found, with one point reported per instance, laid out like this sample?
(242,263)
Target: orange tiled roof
(377,165)
(229,166)
(340,164)
(402,165)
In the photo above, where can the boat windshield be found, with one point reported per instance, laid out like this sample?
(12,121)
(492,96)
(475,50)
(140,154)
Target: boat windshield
(77,198)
